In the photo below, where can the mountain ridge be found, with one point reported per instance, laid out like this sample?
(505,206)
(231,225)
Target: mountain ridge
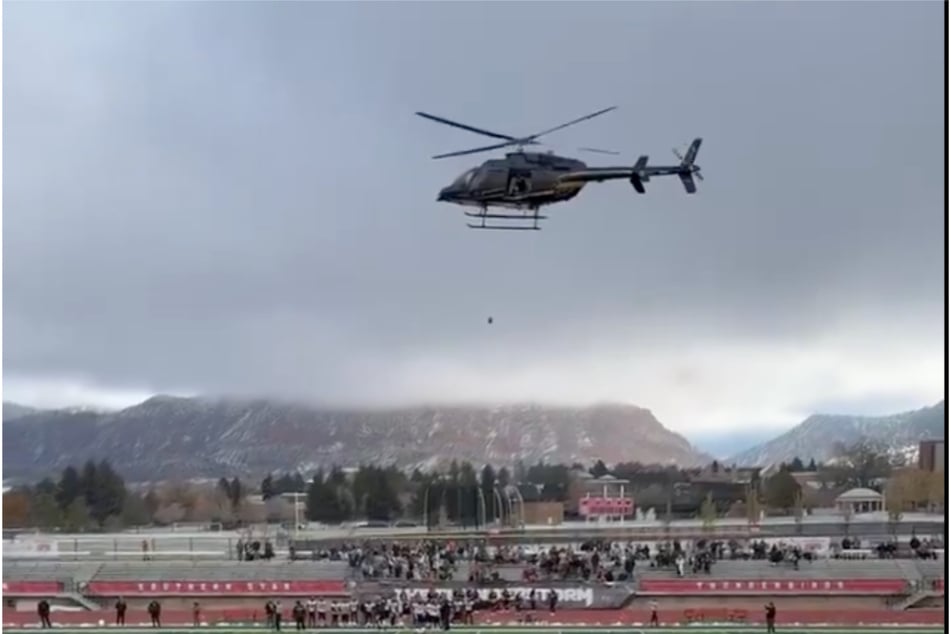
(167,436)
(817,436)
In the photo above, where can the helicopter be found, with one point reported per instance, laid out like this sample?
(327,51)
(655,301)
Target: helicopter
(524,182)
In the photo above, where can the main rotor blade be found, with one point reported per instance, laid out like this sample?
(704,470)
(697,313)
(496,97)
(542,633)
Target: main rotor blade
(578,120)
(485,148)
(598,151)
(463,126)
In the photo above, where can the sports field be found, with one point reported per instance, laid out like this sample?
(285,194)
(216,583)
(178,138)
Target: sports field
(553,629)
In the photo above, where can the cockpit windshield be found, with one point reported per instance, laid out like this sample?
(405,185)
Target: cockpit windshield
(466,178)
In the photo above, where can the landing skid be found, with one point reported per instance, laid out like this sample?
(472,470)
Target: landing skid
(533,217)
(505,227)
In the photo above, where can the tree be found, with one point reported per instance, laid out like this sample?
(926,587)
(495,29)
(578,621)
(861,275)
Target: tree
(936,491)
(708,512)
(45,487)
(279,509)
(799,510)
(781,490)
(555,481)
(45,511)
(170,513)
(859,466)
(69,487)
(599,469)
(182,493)
(17,509)
(267,487)
(110,493)
(796,465)
(375,492)
(896,497)
(812,465)
(504,477)
(323,501)
(135,511)
(236,493)
(151,502)
(89,485)
(76,518)
(215,505)
(752,505)
(337,477)
(521,472)
(737,510)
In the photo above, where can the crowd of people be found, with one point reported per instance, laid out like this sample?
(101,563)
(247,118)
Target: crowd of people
(254,549)
(595,561)
(592,561)
(420,609)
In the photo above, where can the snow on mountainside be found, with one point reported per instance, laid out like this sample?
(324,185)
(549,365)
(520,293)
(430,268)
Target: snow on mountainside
(13,410)
(817,436)
(179,437)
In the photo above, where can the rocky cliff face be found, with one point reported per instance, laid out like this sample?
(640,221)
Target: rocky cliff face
(167,437)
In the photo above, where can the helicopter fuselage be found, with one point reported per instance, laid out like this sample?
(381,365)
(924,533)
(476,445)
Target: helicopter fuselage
(521,180)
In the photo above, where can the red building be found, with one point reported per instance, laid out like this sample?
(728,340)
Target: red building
(605,500)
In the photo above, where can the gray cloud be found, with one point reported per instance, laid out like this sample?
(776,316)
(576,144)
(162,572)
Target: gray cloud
(236,198)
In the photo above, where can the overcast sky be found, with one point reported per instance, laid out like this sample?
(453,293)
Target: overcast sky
(236,198)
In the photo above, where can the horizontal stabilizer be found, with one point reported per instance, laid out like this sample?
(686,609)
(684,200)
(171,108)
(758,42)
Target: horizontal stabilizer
(637,183)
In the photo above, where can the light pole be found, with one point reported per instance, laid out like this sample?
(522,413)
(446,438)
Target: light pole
(426,507)
(513,491)
(439,478)
(500,517)
(295,497)
(481,500)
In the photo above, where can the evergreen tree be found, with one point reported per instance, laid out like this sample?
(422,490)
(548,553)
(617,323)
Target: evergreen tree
(337,477)
(89,485)
(76,517)
(323,503)
(152,503)
(69,487)
(781,489)
(110,493)
(235,493)
(45,487)
(267,487)
(521,472)
(599,469)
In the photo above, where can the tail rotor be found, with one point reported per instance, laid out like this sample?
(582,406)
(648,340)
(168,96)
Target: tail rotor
(687,161)
(688,168)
